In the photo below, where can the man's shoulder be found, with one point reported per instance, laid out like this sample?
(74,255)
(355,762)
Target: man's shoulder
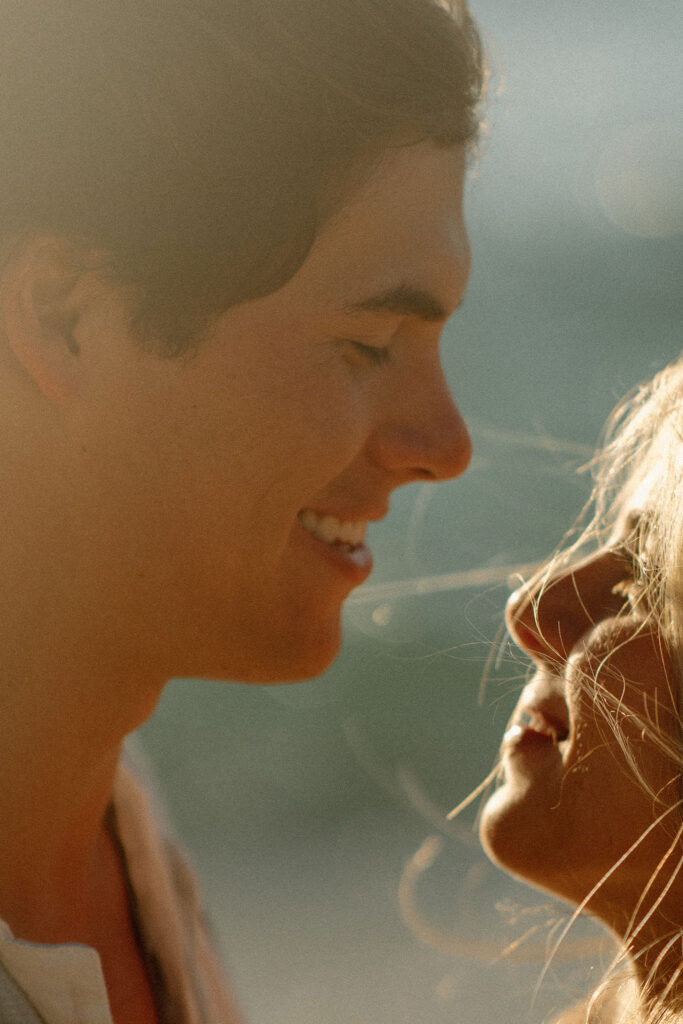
(15,1006)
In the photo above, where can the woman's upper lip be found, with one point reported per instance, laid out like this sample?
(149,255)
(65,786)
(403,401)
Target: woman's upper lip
(543,708)
(539,720)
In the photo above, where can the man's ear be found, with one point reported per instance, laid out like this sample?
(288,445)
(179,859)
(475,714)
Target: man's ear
(42,297)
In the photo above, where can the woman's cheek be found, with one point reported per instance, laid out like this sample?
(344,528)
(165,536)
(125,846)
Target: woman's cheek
(623,694)
(625,654)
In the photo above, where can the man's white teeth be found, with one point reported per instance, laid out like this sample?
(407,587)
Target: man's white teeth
(333,530)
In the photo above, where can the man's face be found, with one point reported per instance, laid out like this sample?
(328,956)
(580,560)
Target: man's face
(227,495)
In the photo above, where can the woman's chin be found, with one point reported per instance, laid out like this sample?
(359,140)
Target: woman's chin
(517,835)
(532,840)
(497,830)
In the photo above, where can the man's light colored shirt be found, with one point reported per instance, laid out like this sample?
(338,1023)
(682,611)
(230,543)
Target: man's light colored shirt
(65,983)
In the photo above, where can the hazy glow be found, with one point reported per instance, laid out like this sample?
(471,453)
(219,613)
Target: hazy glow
(435,584)
(639,180)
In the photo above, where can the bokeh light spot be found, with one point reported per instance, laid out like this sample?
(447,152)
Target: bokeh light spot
(382,615)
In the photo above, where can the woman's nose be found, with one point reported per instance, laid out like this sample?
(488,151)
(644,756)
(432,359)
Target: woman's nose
(423,436)
(548,618)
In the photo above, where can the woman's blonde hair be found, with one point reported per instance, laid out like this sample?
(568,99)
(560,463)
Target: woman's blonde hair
(638,487)
(636,503)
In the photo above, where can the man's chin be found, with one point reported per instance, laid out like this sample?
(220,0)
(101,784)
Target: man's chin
(288,658)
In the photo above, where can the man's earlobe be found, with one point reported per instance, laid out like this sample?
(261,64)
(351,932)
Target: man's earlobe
(41,301)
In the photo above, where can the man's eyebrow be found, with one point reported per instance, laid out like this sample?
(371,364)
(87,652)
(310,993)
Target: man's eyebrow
(403,301)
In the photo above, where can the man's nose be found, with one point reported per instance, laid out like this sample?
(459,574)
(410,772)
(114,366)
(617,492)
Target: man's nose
(549,617)
(423,436)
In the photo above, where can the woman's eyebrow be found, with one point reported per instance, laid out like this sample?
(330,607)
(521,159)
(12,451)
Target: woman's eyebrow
(404,301)
(638,522)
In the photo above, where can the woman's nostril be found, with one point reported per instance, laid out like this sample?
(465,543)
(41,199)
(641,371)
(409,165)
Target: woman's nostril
(529,638)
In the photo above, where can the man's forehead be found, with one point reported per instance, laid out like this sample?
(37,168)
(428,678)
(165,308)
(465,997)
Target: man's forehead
(398,248)
(421,273)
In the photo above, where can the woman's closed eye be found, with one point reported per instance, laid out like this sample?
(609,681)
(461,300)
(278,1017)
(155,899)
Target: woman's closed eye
(636,587)
(633,591)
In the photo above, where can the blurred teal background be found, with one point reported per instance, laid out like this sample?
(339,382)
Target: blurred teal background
(301,805)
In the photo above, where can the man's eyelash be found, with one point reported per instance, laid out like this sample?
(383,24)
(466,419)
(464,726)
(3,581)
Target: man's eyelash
(377,355)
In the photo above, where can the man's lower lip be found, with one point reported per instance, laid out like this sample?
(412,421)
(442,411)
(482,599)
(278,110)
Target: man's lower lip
(355,561)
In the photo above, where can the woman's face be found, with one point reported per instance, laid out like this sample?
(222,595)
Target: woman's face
(233,489)
(583,778)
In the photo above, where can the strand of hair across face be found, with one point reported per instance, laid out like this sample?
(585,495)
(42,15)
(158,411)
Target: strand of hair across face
(587,899)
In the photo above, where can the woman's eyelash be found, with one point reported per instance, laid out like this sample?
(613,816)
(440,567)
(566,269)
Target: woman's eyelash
(373,353)
(631,590)
(634,590)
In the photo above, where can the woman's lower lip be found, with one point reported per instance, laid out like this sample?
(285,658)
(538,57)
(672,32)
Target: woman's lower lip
(355,562)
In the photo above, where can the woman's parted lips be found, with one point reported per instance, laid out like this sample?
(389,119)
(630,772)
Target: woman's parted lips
(542,709)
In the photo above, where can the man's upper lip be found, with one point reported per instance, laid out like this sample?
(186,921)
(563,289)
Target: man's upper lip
(370,515)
